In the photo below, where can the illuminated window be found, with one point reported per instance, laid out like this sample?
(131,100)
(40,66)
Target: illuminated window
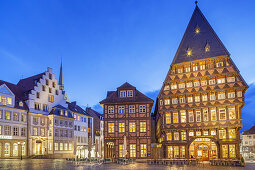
(191,133)
(170,151)
(167,101)
(232,133)
(213,132)
(182,99)
(239,94)
(189,84)
(110,109)
(207,47)
(4,100)
(1,113)
(181,85)
(183,135)
(143,150)
(191,116)
(203,83)
(182,151)
(197,30)
(142,126)
(222,113)
(130,93)
(110,127)
(176,135)
(173,86)
(35,131)
(232,113)
(189,52)
(225,151)
(221,96)
(222,134)
(187,69)
(65,146)
(183,116)
(198,133)
(219,64)
(190,99)
(16,116)
(221,80)
(122,93)
(51,98)
(232,151)
(213,115)
(198,116)
(169,136)
(142,109)
(205,115)
(61,146)
(197,98)
(212,96)
(179,70)
(7,115)
(176,151)
(205,133)
(121,148)
(7,149)
(168,118)
(9,101)
(231,95)
(166,87)
(121,109)
(132,127)
(132,150)
(196,84)
(175,117)
(121,127)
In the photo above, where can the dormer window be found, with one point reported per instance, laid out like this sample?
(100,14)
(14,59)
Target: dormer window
(189,52)
(130,93)
(207,47)
(61,112)
(66,113)
(197,30)
(21,104)
(122,93)
(4,100)
(9,101)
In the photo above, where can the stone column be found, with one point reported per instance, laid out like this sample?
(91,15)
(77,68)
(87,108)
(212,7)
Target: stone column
(11,149)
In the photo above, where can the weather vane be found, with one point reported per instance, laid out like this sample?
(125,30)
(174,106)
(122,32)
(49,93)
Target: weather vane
(196,2)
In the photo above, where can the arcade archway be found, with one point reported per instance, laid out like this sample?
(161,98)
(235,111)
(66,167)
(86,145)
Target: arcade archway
(203,149)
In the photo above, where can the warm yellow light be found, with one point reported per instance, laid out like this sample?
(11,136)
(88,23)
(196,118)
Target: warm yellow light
(197,30)
(189,52)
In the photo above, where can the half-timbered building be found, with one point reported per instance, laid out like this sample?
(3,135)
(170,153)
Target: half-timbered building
(127,115)
(198,110)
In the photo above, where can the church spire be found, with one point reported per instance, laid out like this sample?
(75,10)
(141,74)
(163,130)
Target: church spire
(60,81)
(198,34)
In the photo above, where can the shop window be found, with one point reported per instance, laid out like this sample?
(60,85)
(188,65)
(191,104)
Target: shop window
(232,151)
(143,150)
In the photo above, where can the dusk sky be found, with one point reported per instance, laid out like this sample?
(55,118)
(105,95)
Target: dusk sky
(105,43)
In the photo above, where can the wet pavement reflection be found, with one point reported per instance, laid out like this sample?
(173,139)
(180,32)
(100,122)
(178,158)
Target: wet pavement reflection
(57,164)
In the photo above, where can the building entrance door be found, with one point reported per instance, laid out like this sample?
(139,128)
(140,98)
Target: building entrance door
(109,150)
(203,149)
(38,147)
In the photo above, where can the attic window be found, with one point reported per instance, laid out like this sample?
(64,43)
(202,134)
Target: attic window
(197,30)
(130,93)
(189,52)
(21,104)
(207,47)
(123,93)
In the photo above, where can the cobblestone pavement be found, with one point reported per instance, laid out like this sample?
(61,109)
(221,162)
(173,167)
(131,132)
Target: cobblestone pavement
(57,164)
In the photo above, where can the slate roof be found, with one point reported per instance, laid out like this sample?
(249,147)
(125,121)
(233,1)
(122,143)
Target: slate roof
(93,113)
(250,131)
(28,83)
(56,111)
(139,97)
(75,108)
(197,41)
(18,92)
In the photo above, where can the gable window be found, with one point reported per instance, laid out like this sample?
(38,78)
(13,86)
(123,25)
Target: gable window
(203,83)
(142,109)
(43,88)
(190,99)
(132,109)
(174,100)
(176,135)
(173,86)
(110,127)
(187,69)
(197,98)
(142,126)
(179,70)
(191,133)
(183,135)
(9,101)
(168,118)
(221,80)
(132,127)
(166,87)
(182,85)
(51,98)
(221,96)
(202,67)
(122,93)
(198,133)
(121,127)
(204,97)
(56,92)
(121,109)
(212,81)
(231,95)
(53,84)
(50,76)
(191,116)
(194,68)
(130,93)
(231,79)
(4,100)
(219,64)
(196,84)
(239,94)
(37,95)
(212,96)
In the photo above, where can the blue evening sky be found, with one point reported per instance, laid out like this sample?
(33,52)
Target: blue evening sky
(105,43)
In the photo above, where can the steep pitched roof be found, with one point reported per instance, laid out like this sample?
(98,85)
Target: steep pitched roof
(93,113)
(75,108)
(18,92)
(196,42)
(250,131)
(28,84)
(56,111)
(113,96)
